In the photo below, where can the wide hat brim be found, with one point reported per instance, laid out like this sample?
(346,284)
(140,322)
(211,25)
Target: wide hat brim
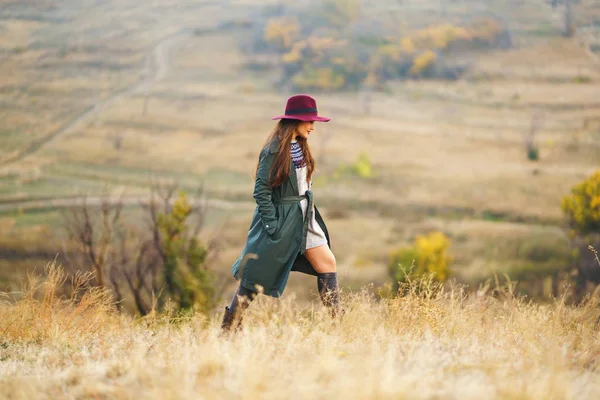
(304,117)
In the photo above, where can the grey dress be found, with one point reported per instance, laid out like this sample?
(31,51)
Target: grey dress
(315,236)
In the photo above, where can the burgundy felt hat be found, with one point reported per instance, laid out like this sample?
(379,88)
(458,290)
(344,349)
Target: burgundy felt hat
(303,108)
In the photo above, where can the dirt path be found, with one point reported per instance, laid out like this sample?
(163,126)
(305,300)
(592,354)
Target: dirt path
(157,64)
(68,202)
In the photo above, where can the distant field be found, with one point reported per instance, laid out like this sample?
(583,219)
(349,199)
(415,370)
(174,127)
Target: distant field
(446,155)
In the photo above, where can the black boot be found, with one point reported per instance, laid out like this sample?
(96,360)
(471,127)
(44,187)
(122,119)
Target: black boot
(228,318)
(232,318)
(328,290)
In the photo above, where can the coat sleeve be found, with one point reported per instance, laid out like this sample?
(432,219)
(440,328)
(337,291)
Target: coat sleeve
(263,192)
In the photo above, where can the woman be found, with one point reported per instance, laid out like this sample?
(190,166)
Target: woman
(287,232)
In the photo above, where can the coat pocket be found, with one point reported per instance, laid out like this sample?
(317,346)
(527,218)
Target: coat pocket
(278,230)
(280,217)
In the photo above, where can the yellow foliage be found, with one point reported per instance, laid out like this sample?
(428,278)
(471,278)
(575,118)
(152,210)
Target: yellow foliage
(582,207)
(446,34)
(363,167)
(326,62)
(427,256)
(422,62)
(282,32)
(312,50)
(442,36)
(319,78)
(407,45)
(434,36)
(321,43)
(461,33)
(392,51)
(432,255)
(292,57)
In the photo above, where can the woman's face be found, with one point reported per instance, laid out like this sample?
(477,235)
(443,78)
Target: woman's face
(304,129)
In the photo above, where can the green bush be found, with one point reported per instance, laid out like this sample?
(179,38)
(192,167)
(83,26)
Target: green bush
(361,168)
(187,280)
(533,154)
(401,265)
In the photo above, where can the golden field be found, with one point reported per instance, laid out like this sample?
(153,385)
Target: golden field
(429,344)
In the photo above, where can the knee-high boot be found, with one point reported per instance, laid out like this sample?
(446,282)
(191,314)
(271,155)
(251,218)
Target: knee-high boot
(328,290)
(232,318)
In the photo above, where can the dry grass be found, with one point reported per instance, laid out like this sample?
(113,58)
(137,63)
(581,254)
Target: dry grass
(557,60)
(42,315)
(428,344)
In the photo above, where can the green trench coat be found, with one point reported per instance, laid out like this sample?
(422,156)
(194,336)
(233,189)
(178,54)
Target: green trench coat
(277,232)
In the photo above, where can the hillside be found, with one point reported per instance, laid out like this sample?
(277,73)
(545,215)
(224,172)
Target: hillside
(110,96)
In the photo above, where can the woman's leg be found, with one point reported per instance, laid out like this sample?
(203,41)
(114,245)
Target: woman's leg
(239,303)
(323,261)
(241,299)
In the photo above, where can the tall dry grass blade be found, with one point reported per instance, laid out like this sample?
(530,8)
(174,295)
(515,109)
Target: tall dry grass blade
(593,250)
(40,314)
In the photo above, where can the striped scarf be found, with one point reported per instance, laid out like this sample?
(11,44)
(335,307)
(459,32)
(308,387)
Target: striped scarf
(297,156)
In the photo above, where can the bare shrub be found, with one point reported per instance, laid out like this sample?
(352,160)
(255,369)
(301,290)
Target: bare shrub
(155,263)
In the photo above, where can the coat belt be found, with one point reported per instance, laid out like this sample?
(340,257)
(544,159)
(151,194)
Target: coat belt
(308,195)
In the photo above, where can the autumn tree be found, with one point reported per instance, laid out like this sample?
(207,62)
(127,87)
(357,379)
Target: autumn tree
(331,51)
(422,63)
(280,33)
(582,213)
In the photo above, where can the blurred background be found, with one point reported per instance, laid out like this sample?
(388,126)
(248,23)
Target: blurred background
(464,140)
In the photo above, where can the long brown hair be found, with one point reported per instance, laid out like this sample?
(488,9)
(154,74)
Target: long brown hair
(283,134)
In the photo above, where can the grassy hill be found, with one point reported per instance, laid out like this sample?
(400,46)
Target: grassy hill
(114,95)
